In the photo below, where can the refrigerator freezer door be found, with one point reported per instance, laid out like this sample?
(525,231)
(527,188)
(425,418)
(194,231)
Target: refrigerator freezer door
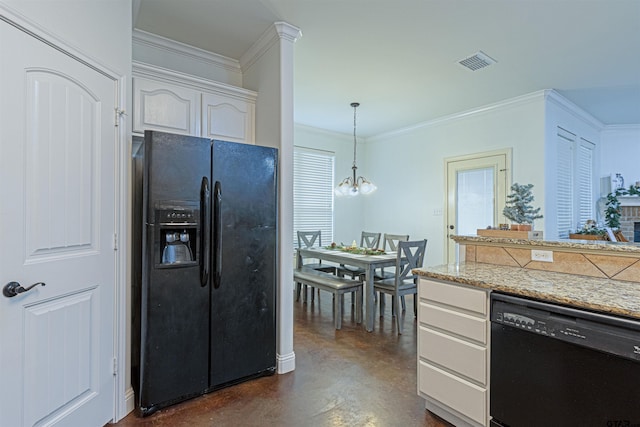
(174,330)
(243,340)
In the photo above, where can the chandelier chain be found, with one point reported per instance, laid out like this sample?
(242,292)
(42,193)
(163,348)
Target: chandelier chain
(354,105)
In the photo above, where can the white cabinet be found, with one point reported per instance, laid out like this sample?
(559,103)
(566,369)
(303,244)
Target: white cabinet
(453,351)
(173,102)
(227,118)
(165,107)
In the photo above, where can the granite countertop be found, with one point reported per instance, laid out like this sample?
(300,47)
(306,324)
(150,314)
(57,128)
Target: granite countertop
(603,295)
(630,248)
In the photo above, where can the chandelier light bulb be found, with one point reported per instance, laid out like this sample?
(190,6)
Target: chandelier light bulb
(367,187)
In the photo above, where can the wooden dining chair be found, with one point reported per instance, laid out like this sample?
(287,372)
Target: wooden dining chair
(309,239)
(367,240)
(404,282)
(390,244)
(390,241)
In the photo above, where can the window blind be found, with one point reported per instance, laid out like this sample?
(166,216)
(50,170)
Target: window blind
(564,183)
(584,180)
(313,193)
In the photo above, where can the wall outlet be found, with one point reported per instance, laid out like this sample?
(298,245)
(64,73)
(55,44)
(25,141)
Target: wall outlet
(542,256)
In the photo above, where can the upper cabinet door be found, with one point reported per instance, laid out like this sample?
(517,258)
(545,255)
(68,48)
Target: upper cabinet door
(228,118)
(165,107)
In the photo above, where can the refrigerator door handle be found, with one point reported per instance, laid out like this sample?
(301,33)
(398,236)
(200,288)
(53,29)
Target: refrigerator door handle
(217,229)
(205,234)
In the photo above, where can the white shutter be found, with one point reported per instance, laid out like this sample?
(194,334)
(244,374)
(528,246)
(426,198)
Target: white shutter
(313,193)
(574,189)
(564,184)
(584,181)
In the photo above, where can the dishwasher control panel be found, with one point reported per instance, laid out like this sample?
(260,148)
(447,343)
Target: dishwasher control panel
(611,334)
(529,321)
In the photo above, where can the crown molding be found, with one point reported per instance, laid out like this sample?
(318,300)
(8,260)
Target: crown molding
(496,106)
(546,94)
(325,132)
(154,41)
(573,109)
(278,31)
(622,128)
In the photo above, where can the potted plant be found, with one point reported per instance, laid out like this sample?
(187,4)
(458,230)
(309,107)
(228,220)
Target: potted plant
(590,231)
(612,211)
(518,208)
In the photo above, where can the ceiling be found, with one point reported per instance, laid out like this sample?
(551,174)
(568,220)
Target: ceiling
(399,59)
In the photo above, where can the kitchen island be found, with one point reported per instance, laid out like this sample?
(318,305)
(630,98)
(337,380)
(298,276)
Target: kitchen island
(453,312)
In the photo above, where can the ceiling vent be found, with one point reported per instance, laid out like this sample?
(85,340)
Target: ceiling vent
(477,61)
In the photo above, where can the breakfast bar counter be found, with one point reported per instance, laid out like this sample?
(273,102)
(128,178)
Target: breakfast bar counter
(605,295)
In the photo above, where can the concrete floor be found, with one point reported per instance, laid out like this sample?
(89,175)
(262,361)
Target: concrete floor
(342,378)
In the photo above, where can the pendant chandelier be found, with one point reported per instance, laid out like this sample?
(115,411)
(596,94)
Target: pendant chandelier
(352,186)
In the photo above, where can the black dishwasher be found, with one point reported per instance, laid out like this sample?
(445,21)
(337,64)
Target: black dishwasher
(554,365)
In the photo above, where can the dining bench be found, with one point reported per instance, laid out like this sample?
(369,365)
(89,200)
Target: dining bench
(338,286)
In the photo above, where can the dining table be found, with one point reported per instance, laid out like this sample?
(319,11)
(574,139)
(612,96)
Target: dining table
(367,262)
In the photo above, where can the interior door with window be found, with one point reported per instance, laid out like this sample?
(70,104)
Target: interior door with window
(57,222)
(476,193)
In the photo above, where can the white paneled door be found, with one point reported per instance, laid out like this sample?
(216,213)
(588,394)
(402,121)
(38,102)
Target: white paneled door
(476,194)
(57,224)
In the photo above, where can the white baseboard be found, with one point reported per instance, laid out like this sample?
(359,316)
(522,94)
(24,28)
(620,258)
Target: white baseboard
(129,401)
(285,363)
(449,414)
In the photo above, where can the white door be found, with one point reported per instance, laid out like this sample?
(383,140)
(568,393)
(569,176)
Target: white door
(476,194)
(57,223)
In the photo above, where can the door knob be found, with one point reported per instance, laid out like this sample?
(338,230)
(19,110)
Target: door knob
(12,289)
(451,227)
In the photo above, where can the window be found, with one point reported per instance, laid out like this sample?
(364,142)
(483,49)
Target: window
(313,192)
(574,188)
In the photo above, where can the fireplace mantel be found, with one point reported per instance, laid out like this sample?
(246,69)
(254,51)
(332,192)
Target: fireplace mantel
(629,200)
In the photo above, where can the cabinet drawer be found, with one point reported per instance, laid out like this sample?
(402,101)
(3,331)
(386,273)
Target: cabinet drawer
(467,359)
(468,326)
(454,392)
(474,300)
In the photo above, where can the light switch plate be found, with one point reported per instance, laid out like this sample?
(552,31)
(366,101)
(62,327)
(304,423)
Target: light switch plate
(542,256)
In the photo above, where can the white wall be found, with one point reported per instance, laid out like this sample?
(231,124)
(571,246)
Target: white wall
(408,166)
(620,152)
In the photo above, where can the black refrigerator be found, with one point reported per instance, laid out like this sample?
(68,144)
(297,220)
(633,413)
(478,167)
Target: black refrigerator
(204,273)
